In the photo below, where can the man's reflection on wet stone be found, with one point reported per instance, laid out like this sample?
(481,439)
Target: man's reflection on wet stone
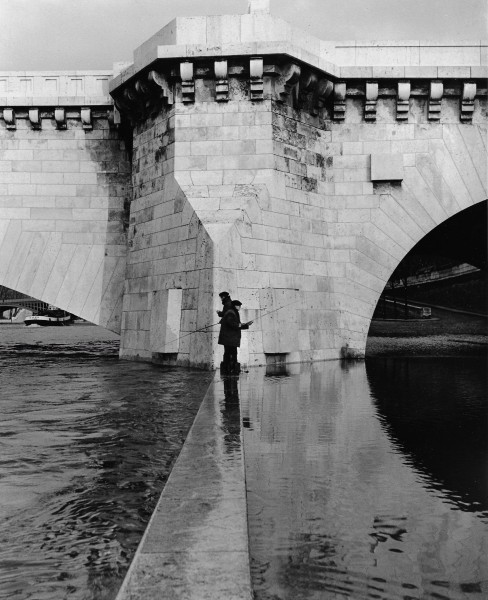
(231,417)
(277,370)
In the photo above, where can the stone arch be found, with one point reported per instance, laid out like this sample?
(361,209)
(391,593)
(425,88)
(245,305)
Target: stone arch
(438,187)
(462,236)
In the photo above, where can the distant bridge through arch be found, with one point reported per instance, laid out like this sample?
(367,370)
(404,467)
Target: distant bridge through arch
(12,299)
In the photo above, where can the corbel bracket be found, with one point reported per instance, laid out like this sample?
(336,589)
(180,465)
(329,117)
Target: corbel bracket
(256,84)
(130,104)
(86,118)
(60,118)
(321,92)
(9,117)
(435,98)
(287,85)
(187,82)
(467,102)
(306,85)
(165,89)
(34,118)
(114,118)
(371,100)
(221,81)
(403,100)
(340,101)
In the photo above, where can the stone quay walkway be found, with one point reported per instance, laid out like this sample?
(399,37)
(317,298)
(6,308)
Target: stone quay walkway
(196,544)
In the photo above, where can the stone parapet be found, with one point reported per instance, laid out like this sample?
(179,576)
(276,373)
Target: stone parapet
(49,88)
(262,57)
(263,34)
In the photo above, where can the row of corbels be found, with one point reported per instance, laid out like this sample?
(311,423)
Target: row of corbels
(36,115)
(291,84)
(221,73)
(148,91)
(404,90)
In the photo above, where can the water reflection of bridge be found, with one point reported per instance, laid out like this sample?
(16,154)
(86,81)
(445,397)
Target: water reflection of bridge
(13,299)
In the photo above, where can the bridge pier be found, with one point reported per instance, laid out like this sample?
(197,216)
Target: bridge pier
(295,185)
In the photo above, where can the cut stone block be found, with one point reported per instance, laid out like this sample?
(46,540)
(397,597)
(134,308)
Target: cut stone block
(386,167)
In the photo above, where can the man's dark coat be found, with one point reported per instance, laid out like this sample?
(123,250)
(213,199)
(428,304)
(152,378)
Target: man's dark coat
(230,328)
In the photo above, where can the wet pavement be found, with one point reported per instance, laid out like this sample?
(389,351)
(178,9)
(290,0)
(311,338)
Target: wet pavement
(196,545)
(368,480)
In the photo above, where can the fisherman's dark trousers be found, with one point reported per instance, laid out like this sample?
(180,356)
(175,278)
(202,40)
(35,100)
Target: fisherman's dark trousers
(230,357)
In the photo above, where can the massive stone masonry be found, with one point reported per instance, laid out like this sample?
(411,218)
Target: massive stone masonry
(293,183)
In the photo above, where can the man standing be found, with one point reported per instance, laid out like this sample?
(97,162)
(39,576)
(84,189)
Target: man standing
(230,336)
(226,303)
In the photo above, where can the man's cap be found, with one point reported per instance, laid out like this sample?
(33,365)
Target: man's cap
(224,294)
(236,303)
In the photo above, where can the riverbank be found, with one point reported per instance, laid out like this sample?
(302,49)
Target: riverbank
(447,333)
(18,333)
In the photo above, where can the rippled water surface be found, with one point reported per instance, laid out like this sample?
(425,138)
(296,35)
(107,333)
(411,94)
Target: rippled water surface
(86,445)
(368,481)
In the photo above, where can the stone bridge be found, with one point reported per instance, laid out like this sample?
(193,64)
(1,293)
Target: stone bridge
(238,153)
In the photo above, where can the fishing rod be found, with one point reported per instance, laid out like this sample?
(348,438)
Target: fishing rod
(203,329)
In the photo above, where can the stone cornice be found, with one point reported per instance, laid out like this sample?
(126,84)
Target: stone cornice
(263,34)
(290,82)
(296,53)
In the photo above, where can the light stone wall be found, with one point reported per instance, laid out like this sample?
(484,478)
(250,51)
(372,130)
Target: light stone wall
(62,197)
(278,207)
(360,230)
(168,250)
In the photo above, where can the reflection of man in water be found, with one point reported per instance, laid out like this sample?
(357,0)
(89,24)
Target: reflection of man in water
(231,417)
(230,336)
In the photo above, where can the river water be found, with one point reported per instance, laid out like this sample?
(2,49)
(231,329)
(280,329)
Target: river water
(368,480)
(86,445)
(364,480)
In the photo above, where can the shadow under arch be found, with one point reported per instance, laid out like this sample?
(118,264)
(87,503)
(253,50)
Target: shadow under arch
(461,238)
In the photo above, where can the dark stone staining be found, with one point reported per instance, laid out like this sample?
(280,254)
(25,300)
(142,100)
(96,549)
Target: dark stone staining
(179,203)
(309,184)
(320,160)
